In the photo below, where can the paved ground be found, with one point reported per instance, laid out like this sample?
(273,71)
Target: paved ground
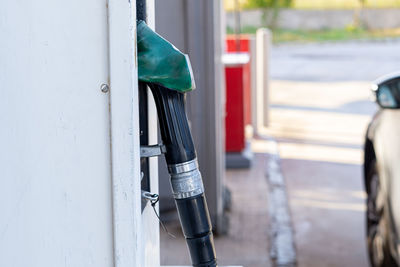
(246,243)
(349,61)
(320,110)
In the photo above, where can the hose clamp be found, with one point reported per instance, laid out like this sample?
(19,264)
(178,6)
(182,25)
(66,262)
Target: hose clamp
(183,167)
(186,179)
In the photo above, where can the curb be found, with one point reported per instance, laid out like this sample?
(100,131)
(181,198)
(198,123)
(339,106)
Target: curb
(282,250)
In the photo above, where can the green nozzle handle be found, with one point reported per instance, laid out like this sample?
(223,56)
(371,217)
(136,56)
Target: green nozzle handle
(162,63)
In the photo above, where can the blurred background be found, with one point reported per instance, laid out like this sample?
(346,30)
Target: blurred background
(288,115)
(279,119)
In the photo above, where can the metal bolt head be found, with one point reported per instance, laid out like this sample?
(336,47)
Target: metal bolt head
(105,88)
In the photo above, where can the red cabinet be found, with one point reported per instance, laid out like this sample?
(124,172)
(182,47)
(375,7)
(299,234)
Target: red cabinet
(234,121)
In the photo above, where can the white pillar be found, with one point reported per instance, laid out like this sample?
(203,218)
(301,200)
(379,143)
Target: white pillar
(263,44)
(253,82)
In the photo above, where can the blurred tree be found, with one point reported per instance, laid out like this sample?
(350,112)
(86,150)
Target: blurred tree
(270,9)
(357,23)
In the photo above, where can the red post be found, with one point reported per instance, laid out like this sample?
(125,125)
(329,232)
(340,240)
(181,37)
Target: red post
(234,121)
(244,48)
(237,155)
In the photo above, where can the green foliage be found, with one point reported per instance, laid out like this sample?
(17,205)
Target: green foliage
(268,3)
(270,10)
(328,35)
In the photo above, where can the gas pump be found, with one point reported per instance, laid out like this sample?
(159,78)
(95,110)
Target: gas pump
(168,73)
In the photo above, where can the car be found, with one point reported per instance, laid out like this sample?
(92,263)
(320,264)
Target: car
(382,174)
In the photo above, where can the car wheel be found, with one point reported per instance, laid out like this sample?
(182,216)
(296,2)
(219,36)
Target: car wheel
(379,254)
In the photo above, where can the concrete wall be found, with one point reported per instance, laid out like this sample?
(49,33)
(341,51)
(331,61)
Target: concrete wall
(195,27)
(321,19)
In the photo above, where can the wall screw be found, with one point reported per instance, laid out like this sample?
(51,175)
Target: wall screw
(105,88)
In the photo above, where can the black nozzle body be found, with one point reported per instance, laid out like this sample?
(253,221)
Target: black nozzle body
(175,131)
(193,211)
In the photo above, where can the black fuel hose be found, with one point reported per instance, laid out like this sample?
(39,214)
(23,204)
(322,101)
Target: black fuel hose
(186,181)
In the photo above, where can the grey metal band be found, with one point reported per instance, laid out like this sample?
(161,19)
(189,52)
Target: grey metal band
(186,183)
(183,167)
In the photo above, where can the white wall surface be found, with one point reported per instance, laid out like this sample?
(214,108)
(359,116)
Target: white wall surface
(150,224)
(56,205)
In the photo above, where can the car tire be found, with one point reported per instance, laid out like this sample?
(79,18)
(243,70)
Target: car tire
(377,234)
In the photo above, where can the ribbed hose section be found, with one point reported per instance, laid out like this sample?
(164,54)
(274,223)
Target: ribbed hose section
(174,126)
(186,182)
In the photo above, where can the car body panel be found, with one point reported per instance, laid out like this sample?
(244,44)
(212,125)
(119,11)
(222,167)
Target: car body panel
(384,134)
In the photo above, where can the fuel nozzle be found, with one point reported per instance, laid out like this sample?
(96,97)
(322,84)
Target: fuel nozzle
(168,74)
